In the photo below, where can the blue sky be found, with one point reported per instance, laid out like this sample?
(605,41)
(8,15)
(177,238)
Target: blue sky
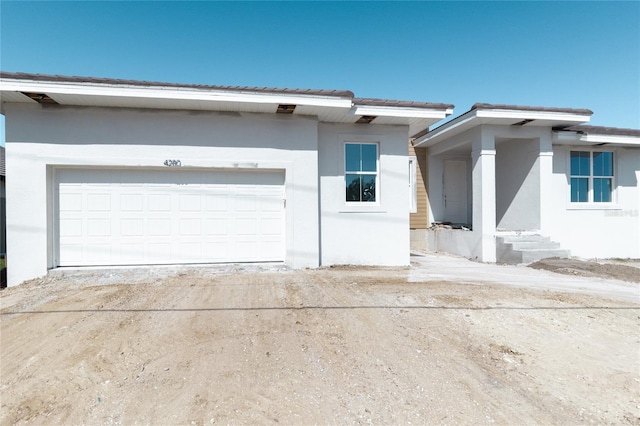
(567,54)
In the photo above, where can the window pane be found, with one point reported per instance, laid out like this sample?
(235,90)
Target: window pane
(353,187)
(413,188)
(369,157)
(603,163)
(352,157)
(579,190)
(602,190)
(368,187)
(580,163)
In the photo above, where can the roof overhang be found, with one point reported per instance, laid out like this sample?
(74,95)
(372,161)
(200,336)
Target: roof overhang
(328,105)
(595,136)
(503,115)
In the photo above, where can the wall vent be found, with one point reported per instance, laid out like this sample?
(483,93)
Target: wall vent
(285,109)
(366,119)
(41,98)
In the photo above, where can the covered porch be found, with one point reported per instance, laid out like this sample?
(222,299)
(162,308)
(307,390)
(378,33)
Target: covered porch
(489,175)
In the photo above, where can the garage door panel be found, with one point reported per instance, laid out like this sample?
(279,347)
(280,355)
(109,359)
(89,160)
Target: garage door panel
(160,202)
(96,253)
(112,217)
(246,249)
(132,227)
(99,227)
(131,202)
(71,201)
(160,252)
(190,203)
(218,226)
(99,202)
(71,227)
(217,251)
(245,203)
(190,251)
(132,253)
(246,226)
(190,227)
(159,227)
(71,253)
(216,202)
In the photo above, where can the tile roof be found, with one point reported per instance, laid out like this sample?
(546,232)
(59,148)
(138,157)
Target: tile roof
(481,105)
(238,89)
(602,130)
(393,103)
(122,82)
(422,133)
(485,106)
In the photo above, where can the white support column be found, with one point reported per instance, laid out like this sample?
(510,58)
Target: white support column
(484,194)
(545,161)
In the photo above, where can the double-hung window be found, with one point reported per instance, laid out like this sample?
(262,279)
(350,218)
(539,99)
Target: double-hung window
(361,172)
(591,176)
(413,188)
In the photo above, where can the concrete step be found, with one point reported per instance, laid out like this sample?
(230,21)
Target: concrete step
(515,249)
(522,238)
(533,245)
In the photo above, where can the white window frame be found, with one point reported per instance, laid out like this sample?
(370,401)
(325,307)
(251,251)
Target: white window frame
(345,172)
(413,184)
(590,203)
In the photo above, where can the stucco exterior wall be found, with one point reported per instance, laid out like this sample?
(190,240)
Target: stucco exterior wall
(3,203)
(518,185)
(455,241)
(594,230)
(40,138)
(371,233)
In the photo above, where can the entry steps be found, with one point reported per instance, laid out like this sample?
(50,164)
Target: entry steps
(526,248)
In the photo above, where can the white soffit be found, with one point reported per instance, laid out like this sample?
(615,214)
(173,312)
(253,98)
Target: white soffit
(573,138)
(334,108)
(449,129)
(167,93)
(407,112)
(11,96)
(539,118)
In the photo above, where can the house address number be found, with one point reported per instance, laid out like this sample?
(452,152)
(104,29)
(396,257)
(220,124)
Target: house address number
(172,163)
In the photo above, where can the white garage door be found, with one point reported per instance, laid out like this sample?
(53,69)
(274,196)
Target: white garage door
(128,217)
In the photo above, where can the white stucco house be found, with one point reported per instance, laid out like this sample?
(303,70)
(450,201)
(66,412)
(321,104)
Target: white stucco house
(515,184)
(116,172)
(106,172)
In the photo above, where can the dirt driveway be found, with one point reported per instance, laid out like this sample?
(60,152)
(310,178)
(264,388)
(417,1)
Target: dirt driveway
(328,346)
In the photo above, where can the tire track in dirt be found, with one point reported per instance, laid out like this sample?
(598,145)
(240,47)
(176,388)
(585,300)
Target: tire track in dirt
(340,345)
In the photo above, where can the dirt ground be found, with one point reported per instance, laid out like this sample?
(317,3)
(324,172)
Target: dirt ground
(326,346)
(625,270)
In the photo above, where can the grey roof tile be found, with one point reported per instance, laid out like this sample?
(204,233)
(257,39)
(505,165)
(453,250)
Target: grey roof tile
(122,82)
(481,105)
(602,130)
(238,89)
(394,103)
